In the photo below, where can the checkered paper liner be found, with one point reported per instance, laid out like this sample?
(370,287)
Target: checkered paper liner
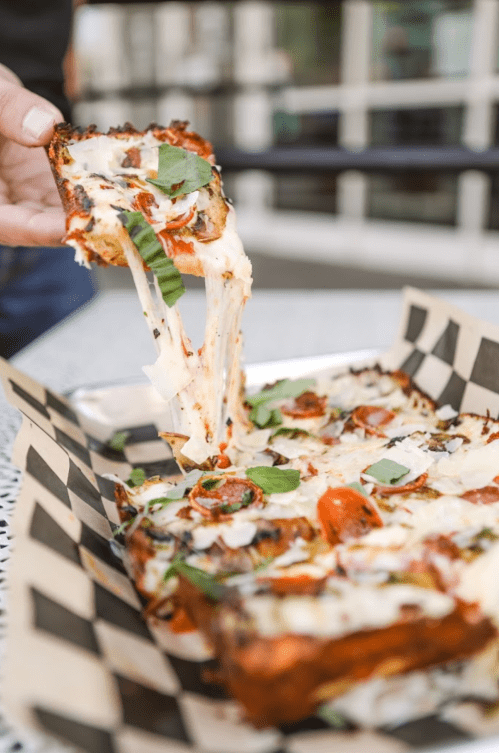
(81,662)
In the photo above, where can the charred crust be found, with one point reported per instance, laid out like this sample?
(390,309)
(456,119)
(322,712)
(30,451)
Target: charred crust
(82,200)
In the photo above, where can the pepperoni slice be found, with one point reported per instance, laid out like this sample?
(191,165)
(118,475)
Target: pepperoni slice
(344,513)
(299,585)
(493,437)
(227,495)
(372,418)
(411,486)
(307,405)
(487,495)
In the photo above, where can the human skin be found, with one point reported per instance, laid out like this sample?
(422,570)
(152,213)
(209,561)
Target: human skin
(30,209)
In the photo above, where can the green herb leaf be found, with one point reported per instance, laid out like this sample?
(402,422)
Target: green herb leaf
(274,480)
(264,417)
(180,171)
(332,717)
(150,249)
(203,581)
(291,432)
(120,529)
(263,564)
(283,389)
(211,483)
(246,499)
(387,471)
(118,440)
(137,477)
(358,488)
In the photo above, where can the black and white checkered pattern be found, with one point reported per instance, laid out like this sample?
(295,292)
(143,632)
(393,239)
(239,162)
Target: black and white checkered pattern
(451,356)
(100,677)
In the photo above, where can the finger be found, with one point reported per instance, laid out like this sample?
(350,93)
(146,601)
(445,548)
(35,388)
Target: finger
(25,117)
(31,226)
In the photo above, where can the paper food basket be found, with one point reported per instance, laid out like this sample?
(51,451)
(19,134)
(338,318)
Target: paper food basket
(81,662)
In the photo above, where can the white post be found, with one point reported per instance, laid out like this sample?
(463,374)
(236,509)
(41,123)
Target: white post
(354,125)
(253,106)
(474,187)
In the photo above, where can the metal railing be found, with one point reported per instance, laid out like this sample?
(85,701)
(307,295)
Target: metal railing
(282,159)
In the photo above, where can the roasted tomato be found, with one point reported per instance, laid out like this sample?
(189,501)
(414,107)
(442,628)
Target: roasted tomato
(344,513)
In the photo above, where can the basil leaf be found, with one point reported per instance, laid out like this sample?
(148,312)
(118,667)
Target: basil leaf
(118,440)
(387,471)
(137,477)
(291,432)
(283,389)
(180,171)
(211,483)
(358,488)
(263,416)
(332,717)
(274,480)
(120,529)
(150,249)
(246,499)
(199,578)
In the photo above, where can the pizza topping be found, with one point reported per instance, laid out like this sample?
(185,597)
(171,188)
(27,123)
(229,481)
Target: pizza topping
(344,513)
(144,238)
(274,480)
(487,495)
(372,418)
(132,158)
(386,471)
(306,405)
(180,172)
(218,497)
(261,414)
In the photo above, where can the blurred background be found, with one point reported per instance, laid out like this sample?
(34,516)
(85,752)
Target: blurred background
(293,95)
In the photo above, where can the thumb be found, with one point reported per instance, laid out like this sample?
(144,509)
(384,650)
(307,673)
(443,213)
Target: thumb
(25,117)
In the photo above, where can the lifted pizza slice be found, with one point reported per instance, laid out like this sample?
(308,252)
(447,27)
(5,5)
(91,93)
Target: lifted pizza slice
(153,200)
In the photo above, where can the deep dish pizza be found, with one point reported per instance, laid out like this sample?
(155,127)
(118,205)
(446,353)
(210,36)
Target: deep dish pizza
(335,539)
(346,552)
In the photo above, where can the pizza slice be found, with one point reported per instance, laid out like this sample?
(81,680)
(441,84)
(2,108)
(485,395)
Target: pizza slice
(153,200)
(345,559)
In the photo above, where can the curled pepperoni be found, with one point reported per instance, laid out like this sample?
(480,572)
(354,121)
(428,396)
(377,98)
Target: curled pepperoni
(344,513)
(487,495)
(372,418)
(411,486)
(307,405)
(180,221)
(227,495)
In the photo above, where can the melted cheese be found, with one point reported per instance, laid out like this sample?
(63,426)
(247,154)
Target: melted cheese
(202,388)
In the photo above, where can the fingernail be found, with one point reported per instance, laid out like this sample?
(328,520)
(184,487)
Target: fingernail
(37,122)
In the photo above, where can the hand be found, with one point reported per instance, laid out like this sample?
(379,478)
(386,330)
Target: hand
(30,209)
